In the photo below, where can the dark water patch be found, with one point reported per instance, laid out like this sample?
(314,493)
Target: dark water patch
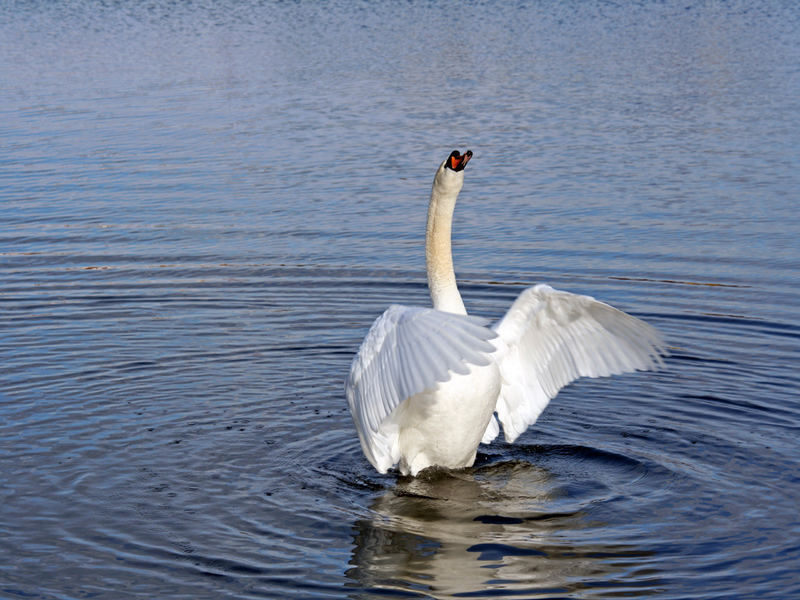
(497,552)
(498,520)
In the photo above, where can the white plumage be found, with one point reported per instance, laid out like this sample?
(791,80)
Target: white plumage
(426,382)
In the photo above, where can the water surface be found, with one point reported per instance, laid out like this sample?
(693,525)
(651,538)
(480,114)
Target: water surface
(204,206)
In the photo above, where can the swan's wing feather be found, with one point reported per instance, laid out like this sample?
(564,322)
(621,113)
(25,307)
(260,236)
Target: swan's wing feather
(551,338)
(408,350)
(492,430)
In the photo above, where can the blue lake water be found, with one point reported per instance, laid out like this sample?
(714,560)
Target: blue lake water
(203,206)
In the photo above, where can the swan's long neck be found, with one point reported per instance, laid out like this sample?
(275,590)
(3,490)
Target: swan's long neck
(438,254)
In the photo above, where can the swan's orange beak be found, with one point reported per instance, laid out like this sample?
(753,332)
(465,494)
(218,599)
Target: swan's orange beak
(457,161)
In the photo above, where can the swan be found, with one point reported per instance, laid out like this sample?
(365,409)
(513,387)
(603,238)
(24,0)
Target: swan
(428,385)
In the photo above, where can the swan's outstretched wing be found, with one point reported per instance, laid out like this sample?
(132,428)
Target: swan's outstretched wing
(552,338)
(407,351)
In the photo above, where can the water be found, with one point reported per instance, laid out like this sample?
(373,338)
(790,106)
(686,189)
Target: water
(203,206)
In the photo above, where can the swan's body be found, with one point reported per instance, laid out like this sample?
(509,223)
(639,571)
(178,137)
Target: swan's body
(425,384)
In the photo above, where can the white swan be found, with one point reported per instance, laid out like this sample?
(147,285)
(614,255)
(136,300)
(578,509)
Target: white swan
(426,382)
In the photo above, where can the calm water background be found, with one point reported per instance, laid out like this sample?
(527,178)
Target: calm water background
(203,206)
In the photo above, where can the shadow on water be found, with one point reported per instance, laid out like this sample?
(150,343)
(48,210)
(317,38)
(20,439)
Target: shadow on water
(503,528)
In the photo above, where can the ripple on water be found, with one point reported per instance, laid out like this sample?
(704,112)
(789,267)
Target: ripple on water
(249,443)
(524,520)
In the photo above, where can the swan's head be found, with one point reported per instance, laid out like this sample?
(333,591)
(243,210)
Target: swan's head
(450,176)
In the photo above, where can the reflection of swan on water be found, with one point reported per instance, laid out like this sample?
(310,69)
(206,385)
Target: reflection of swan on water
(426,383)
(451,533)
